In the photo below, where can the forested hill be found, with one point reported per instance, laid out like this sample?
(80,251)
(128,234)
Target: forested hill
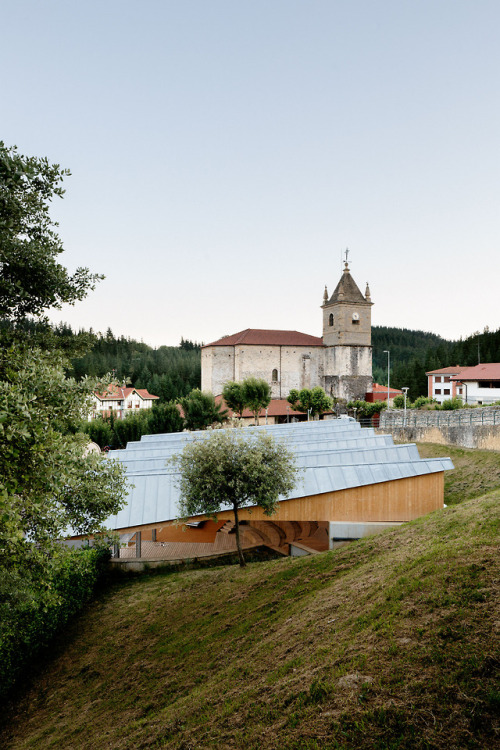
(168,371)
(172,371)
(413,353)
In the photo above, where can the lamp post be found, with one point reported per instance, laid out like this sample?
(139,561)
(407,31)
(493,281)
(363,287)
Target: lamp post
(388,376)
(405,392)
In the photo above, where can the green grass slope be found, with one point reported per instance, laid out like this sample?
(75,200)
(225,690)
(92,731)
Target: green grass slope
(391,642)
(476,471)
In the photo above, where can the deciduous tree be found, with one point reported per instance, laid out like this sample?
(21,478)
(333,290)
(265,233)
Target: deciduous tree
(31,278)
(234,396)
(315,401)
(257,395)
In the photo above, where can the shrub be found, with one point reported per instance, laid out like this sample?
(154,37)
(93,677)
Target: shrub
(100,431)
(423,401)
(452,404)
(165,418)
(33,609)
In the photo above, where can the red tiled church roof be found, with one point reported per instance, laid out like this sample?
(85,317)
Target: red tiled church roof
(278,407)
(264,337)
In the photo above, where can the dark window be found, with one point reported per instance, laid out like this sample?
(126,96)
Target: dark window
(274,376)
(330,319)
(446,391)
(446,378)
(491,384)
(437,379)
(437,390)
(355,322)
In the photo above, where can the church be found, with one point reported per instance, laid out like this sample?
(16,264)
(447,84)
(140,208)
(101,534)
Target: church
(340,361)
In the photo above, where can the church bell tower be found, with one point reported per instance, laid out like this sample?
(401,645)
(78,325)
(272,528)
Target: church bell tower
(347,340)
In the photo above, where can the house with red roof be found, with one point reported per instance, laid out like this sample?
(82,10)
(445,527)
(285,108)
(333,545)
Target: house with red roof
(480,384)
(441,386)
(120,401)
(379,393)
(340,361)
(279,411)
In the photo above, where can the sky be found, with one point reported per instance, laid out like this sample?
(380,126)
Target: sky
(225,153)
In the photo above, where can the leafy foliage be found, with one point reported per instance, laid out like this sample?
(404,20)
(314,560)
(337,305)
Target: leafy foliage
(234,468)
(234,396)
(48,480)
(366,409)
(451,404)
(257,395)
(201,410)
(312,400)
(116,433)
(31,613)
(31,279)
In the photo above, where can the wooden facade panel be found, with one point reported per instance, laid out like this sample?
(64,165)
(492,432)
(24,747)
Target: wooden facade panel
(399,500)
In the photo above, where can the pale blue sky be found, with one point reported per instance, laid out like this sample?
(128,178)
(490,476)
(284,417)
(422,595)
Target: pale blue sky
(224,153)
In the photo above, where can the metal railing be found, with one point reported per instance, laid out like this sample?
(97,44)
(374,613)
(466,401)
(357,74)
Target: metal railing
(452,418)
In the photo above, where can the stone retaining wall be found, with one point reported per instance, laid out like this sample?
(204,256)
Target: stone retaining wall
(467,428)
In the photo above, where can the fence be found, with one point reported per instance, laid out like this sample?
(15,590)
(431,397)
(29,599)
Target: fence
(421,418)
(133,546)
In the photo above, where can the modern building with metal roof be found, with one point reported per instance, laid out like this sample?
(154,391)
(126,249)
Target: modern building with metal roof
(352,482)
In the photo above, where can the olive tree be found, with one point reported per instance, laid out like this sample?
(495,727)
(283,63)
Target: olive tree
(234,469)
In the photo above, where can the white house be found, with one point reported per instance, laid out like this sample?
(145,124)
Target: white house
(441,385)
(481,384)
(121,401)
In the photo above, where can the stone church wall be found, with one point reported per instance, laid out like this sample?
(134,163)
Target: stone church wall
(348,371)
(217,367)
(296,367)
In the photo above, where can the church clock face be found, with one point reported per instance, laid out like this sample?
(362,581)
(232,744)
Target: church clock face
(355,316)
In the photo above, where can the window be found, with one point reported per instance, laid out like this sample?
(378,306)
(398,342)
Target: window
(459,391)
(437,379)
(437,391)
(355,322)
(446,378)
(274,376)
(446,391)
(330,319)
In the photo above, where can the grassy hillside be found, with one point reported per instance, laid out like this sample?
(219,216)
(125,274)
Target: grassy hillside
(476,471)
(391,642)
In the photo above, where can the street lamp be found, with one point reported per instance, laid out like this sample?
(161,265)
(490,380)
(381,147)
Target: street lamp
(388,376)
(405,393)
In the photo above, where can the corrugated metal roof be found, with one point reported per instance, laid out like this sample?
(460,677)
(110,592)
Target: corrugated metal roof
(334,455)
